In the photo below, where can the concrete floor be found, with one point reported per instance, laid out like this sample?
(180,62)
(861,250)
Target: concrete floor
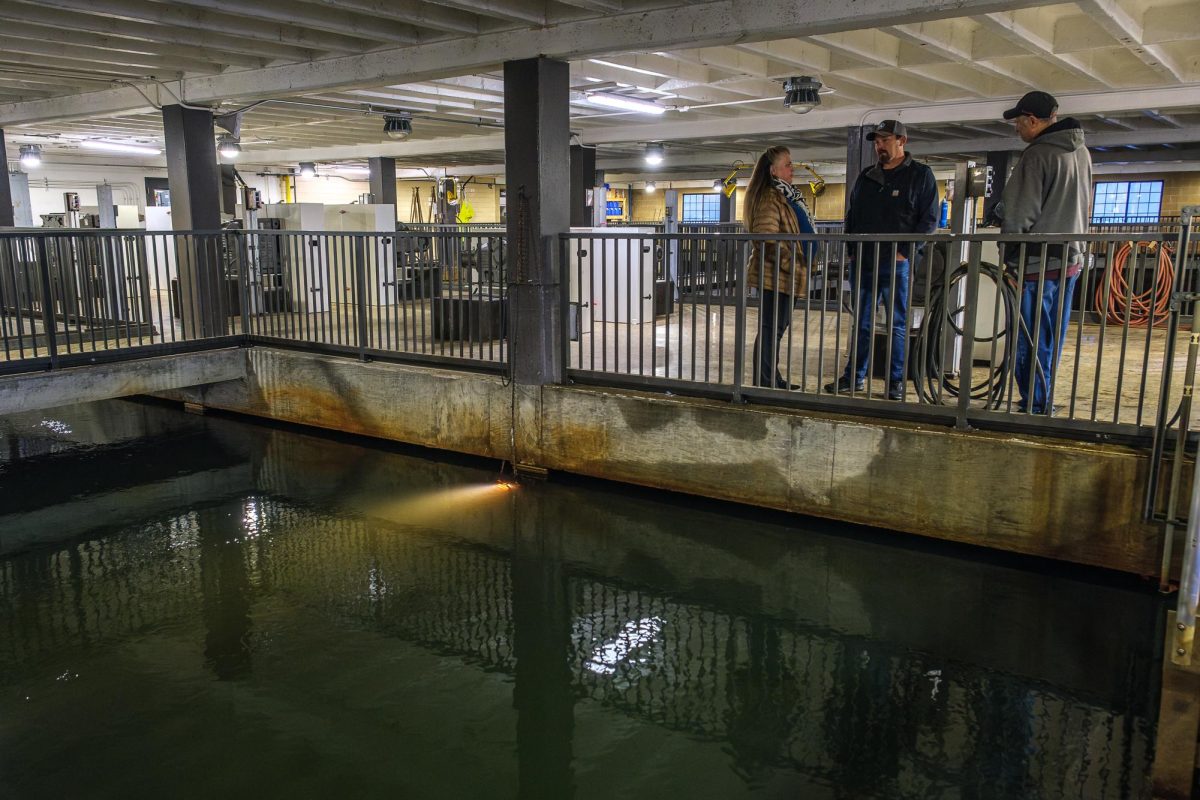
(1106,368)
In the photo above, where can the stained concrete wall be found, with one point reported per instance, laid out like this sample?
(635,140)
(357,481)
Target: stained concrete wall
(1064,500)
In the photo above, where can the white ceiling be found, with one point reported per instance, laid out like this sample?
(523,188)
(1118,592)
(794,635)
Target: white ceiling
(81,69)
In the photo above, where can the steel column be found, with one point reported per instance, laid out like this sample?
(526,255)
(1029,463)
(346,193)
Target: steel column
(537,170)
(383,180)
(6,201)
(194,178)
(860,154)
(583,178)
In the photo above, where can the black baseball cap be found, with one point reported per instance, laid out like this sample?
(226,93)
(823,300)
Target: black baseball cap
(893,126)
(1038,104)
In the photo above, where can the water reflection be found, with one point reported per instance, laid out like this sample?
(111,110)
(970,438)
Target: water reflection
(552,642)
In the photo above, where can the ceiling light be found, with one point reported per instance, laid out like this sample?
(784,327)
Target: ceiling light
(397,127)
(118,147)
(624,103)
(308,169)
(801,95)
(650,186)
(31,156)
(228,146)
(655,154)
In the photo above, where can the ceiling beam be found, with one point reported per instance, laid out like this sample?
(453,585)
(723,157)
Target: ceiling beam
(343,21)
(1127,31)
(698,24)
(64,16)
(1007,26)
(414,12)
(198,19)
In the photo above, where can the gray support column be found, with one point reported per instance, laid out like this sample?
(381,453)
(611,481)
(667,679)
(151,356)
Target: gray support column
(727,208)
(6,200)
(192,169)
(537,174)
(195,182)
(105,208)
(383,180)
(599,202)
(22,205)
(860,154)
(583,179)
(1001,162)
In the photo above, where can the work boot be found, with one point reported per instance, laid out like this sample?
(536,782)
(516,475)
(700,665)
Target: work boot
(895,390)
(842,386)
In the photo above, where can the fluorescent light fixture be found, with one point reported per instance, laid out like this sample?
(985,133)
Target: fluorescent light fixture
(119,147)
(624,103)
(655,153)
(31,156)
(308,169)
(650,186)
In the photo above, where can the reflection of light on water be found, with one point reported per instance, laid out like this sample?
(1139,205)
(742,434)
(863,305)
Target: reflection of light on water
(439,505)
(61,428)
(183,532)
(252,519)
(632,636)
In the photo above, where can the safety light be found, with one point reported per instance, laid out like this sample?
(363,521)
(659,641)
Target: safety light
(397,127)
(228,147)
(801,95)
(31,156)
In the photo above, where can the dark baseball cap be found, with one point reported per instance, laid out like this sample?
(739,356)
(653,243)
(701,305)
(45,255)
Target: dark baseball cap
(1039,104)
(893,126)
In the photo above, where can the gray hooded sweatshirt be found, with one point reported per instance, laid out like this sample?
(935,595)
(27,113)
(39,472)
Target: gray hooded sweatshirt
(1049,191)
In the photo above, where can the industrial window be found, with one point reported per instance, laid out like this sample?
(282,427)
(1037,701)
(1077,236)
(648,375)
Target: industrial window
(1125,201)
(701,208)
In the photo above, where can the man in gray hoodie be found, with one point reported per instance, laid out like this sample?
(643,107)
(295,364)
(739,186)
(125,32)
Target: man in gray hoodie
(1049,191)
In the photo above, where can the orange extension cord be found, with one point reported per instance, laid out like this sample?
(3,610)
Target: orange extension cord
(1154,302)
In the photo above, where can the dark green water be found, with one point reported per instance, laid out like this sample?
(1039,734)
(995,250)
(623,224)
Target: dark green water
(193,607)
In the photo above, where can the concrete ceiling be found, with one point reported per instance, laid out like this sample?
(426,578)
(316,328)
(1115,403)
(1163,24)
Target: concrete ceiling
(86,69)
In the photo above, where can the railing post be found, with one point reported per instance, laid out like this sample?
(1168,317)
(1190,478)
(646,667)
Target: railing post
(739,328)
(47,302)
(966,358)
(360,294)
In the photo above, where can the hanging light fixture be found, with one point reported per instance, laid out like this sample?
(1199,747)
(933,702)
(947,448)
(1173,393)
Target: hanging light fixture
(802,94)
(31,156)
(228,146)
(397,127)
(650,186)
(655,153)
(308,169)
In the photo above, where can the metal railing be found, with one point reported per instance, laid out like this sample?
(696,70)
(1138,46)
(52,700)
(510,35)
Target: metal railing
(80,296)
(953,345)
(680,311)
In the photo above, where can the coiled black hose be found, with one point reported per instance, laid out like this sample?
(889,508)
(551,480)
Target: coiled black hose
(927,367)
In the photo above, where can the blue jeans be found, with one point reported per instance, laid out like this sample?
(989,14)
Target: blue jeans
(870,294)
(1051,332)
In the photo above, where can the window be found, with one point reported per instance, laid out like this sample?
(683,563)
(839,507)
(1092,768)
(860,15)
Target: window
(1125,201)
(701,208)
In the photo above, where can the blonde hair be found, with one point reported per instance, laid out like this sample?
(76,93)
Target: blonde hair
(760,182)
